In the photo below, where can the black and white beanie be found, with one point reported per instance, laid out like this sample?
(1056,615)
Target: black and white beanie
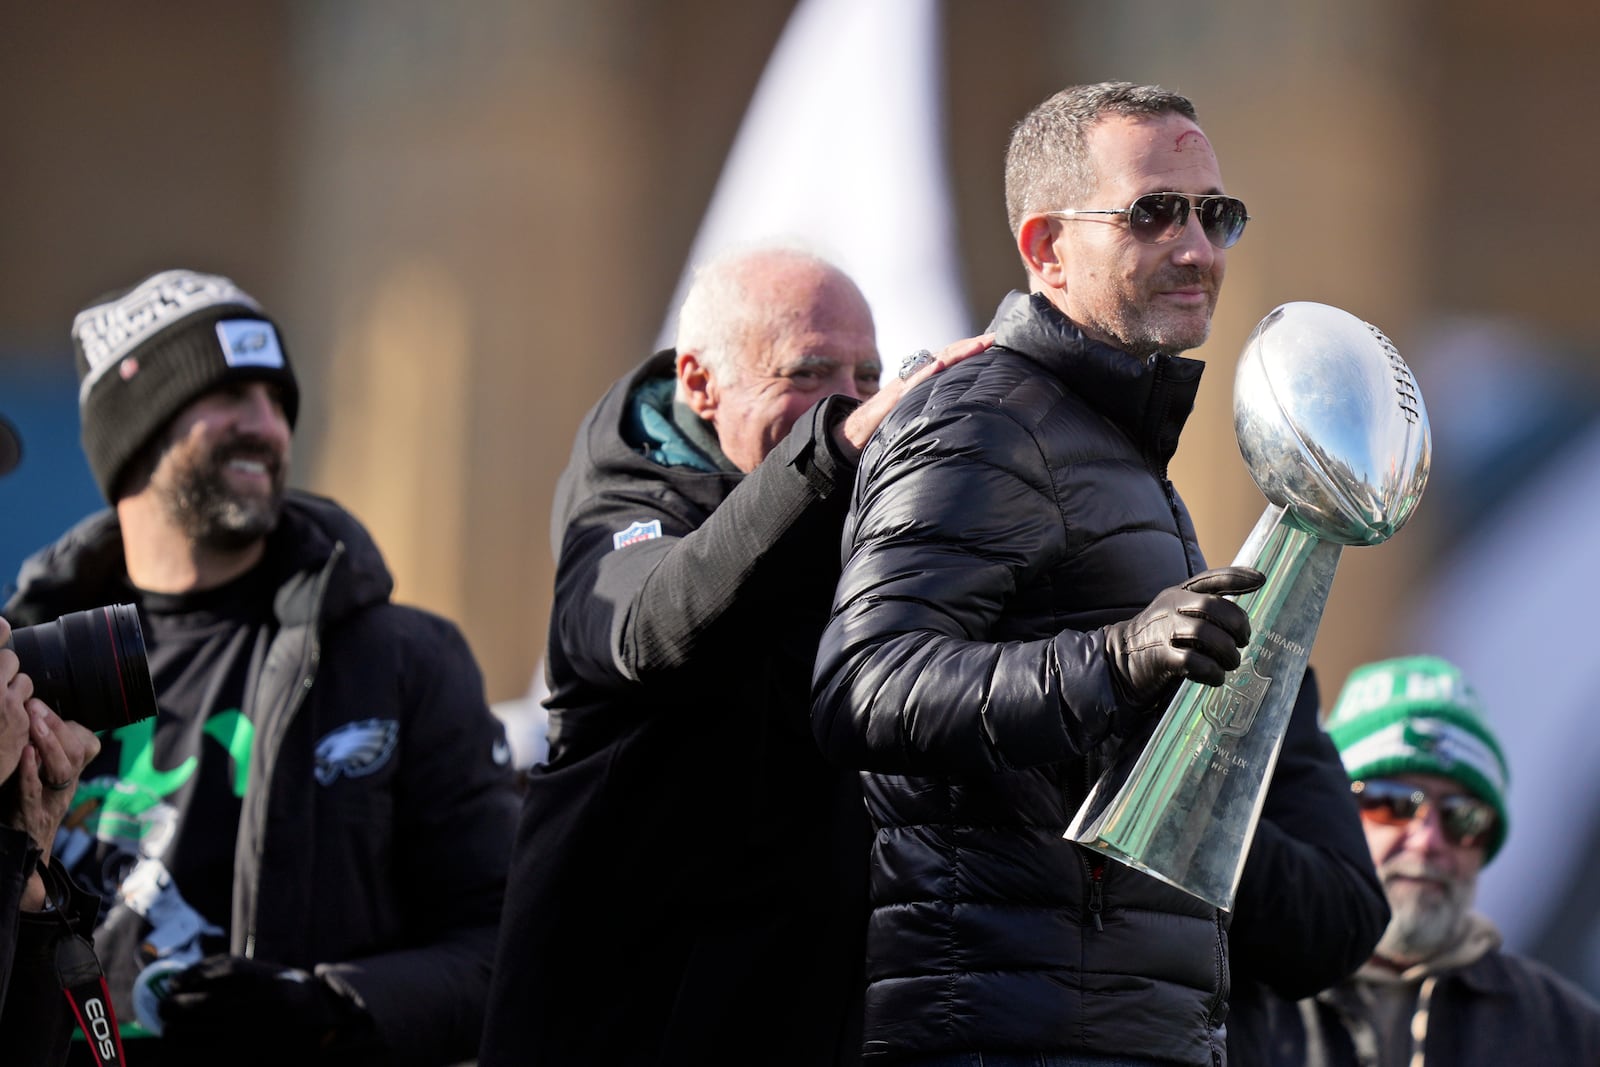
(145,353)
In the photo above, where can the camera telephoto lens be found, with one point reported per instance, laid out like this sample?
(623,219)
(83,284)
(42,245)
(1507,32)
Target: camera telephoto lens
(89,666)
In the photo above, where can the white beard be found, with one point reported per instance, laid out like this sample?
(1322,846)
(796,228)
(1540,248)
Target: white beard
(1425,921)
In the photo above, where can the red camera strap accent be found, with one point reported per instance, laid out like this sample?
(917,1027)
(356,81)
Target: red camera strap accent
(84,984)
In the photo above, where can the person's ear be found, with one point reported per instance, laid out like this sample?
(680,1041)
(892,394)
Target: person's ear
(699,386)
(1036,242)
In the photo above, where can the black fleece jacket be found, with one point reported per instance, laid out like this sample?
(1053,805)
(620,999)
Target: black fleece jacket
(689,884)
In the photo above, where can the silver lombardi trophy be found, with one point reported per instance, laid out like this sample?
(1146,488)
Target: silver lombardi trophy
(1332,426)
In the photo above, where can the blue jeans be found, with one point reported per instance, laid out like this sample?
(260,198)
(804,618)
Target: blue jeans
(1025,1059)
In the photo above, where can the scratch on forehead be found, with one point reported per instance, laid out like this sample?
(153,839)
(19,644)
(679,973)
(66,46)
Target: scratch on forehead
(1190,139)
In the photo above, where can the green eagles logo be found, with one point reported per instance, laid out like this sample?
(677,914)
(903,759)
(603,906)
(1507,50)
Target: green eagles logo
(1430,739)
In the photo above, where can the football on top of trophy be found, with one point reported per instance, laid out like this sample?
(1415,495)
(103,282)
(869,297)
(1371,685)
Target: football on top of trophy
(1331,423)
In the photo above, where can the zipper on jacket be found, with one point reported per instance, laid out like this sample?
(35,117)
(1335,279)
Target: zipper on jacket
(1096,871)
(1219,1000)
(1156,418)
(1170,491)
(307,677)
(259,844)
(1097,875)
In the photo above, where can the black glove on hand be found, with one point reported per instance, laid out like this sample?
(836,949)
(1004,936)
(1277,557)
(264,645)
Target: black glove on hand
(253,1012)
(1188,631)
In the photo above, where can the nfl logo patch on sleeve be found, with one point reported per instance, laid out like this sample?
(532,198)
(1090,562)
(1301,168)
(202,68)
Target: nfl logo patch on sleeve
(636,532)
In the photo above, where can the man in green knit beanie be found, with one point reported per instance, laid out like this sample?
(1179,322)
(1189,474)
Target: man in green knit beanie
(1430,779)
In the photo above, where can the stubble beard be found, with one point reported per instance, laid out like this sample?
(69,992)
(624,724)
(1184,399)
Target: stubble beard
(214,515)
(1141,329)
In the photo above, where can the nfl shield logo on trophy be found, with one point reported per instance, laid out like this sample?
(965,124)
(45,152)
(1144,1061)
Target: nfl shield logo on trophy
(1245,690)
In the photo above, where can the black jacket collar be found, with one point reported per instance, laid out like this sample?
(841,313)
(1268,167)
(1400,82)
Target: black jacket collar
(1149,399)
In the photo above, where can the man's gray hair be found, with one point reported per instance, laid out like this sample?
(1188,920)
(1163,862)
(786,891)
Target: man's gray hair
(719,316)
(1047,163)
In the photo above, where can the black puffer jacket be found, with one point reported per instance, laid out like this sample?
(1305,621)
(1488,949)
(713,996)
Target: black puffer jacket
(1006,511)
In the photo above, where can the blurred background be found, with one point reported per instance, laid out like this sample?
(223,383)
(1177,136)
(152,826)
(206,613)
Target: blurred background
(470,217)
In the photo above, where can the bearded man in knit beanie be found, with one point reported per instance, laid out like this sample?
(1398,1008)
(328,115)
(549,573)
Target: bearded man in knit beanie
(301,857)
(1429,779)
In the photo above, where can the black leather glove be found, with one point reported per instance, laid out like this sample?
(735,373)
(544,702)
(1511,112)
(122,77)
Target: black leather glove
(1188,631)
(246,1011)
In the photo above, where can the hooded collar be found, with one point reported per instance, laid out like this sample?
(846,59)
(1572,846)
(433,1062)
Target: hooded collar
(666,431)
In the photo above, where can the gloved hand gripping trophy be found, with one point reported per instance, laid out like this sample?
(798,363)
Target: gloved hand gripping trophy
(1187,631)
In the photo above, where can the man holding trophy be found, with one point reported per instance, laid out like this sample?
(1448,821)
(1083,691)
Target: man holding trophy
(1022,595)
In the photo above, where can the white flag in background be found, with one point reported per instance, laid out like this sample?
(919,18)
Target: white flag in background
(842,152)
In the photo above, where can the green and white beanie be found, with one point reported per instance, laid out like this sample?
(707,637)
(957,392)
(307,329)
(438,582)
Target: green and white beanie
(1418,715)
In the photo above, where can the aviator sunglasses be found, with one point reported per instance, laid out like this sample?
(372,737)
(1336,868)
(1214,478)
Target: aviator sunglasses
(1157,217)
(1466,821)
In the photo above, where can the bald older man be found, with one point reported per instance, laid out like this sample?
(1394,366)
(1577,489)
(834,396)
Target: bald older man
(689,883)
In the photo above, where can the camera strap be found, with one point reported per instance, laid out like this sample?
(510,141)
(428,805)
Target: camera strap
(84,983)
